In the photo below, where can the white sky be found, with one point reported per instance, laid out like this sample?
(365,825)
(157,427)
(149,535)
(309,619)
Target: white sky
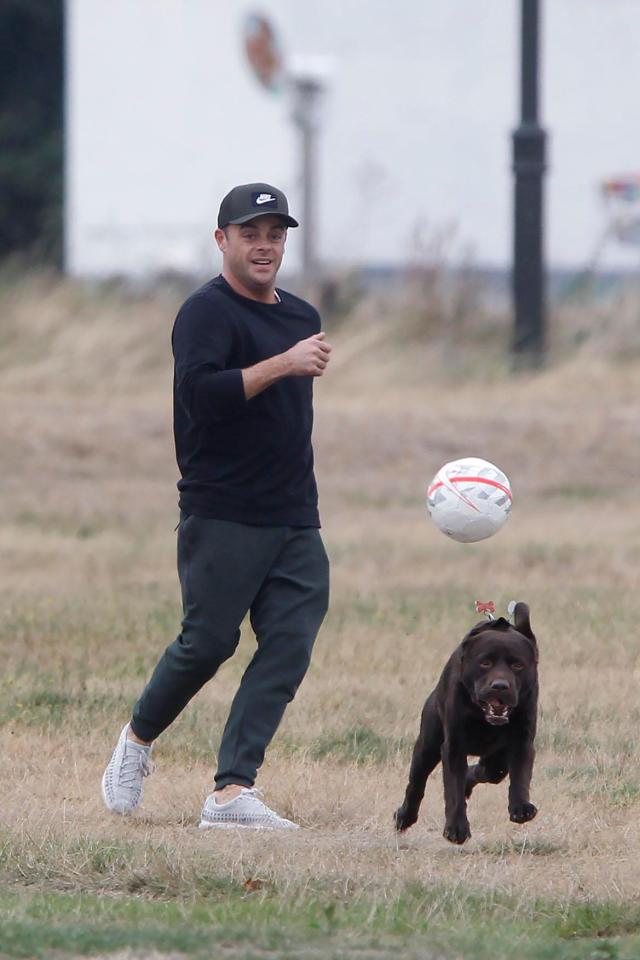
(164,117)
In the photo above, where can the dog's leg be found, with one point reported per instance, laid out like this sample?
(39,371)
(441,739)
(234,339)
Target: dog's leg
(521,759)
(454,771)
(491,769)
(426,756)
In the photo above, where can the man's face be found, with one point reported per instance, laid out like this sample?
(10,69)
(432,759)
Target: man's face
(253,251)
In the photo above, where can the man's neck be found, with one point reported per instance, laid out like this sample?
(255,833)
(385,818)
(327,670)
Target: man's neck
(266,295)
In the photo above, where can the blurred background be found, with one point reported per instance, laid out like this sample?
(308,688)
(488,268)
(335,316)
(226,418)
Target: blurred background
(389,127)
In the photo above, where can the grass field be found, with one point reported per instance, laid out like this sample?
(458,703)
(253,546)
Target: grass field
(89,598)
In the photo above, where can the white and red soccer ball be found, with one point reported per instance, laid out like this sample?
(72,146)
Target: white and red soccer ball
(469,499)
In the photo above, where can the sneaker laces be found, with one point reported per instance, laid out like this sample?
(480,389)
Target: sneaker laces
(253,794)
(134,763)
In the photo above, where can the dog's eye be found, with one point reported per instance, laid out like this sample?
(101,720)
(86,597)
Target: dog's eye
(517,665)
(485,664)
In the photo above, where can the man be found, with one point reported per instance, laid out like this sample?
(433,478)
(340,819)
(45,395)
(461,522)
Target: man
(248,538)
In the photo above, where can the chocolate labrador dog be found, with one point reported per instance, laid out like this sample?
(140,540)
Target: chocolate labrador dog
(484,705)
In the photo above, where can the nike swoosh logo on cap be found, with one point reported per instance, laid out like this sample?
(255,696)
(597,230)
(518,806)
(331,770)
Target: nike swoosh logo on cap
(265,198)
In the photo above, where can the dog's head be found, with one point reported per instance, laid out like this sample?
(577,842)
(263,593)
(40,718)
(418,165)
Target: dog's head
(499,664)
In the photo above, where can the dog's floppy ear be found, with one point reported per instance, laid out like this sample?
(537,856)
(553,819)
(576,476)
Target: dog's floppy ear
(471,636)
(482,627)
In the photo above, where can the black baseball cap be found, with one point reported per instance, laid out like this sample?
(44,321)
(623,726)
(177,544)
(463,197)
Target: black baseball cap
(251,200)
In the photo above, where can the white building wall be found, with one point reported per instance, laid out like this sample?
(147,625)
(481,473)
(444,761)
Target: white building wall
(164,116)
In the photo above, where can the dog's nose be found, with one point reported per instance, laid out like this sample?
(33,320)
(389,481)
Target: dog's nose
(499,685)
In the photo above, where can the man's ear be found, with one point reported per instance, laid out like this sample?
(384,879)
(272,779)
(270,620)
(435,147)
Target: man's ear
(220,238)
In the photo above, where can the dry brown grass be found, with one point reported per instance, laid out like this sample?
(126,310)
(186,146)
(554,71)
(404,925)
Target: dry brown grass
(89,597)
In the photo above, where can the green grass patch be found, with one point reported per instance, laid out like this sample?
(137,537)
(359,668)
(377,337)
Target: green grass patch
(357,745)
(432,923)
(527,847)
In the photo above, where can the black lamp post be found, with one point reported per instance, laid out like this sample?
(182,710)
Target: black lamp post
(528,165)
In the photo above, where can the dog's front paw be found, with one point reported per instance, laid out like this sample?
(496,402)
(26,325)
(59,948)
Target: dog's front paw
(403,818)
(457,832)
(522,812)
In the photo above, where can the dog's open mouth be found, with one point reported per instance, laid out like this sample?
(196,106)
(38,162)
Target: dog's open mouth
(495,711)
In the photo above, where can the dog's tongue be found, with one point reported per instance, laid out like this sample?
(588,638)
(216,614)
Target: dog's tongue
(497,708)
(496,712)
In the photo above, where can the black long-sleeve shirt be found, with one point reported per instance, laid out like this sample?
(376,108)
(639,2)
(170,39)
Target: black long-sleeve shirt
(250,461)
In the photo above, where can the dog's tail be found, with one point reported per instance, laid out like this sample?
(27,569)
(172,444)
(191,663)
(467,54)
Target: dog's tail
(519,611)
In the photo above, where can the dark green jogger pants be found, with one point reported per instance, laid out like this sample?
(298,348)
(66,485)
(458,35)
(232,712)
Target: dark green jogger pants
(280,575)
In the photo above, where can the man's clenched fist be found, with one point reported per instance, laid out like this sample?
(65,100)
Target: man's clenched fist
(309,358)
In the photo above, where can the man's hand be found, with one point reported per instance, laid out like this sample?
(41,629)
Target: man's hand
(308,358)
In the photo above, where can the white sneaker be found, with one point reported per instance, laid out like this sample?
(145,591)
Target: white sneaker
(122,780)
(245,810)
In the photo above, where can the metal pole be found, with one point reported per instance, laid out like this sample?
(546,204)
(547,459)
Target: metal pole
(528,166)
(307,96)
(308,205)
